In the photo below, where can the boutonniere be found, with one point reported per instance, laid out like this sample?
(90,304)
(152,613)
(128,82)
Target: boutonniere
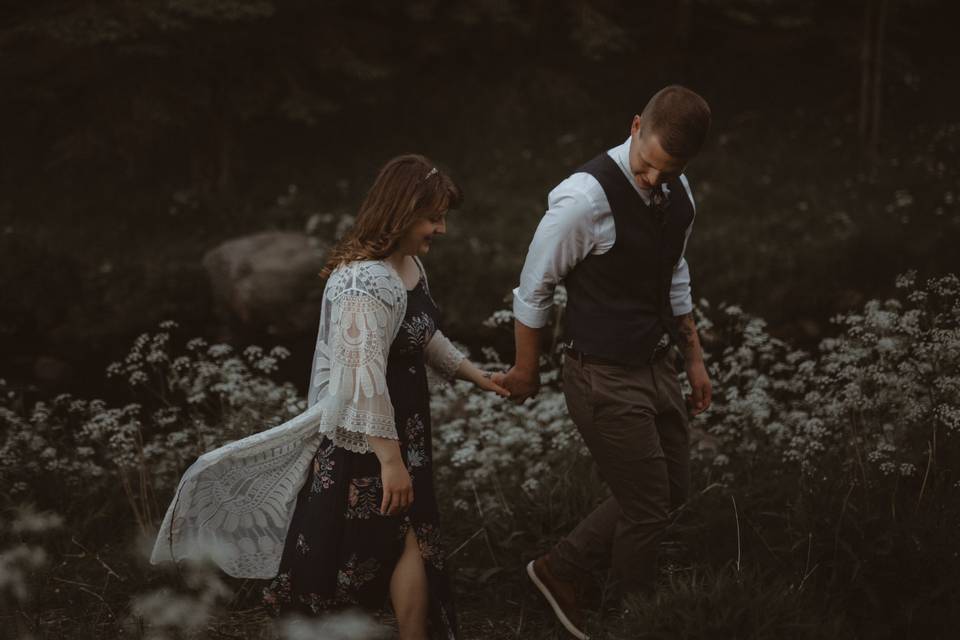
(659,199)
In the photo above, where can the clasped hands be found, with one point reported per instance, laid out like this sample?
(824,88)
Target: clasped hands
(520,384)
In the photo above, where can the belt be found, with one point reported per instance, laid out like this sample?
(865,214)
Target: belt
(588,358)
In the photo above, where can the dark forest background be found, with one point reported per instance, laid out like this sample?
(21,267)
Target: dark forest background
(136,136)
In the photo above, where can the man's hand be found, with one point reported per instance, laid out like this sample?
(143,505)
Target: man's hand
(519,383)
(699,398)
(689,343)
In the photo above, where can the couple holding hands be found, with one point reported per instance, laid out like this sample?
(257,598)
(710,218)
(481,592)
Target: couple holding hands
(336,506)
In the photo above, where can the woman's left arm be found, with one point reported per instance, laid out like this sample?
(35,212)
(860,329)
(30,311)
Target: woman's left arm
(450,363)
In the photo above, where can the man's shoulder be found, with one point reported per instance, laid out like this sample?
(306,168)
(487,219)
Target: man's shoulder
(579,189)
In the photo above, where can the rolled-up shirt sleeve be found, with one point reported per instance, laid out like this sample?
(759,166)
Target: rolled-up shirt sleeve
(565,236)
(681,298)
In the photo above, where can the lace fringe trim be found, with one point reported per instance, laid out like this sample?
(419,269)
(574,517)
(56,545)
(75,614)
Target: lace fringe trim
(448,364)
(351,428)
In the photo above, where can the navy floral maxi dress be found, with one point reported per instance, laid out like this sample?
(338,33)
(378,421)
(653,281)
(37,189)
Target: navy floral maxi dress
(340,551)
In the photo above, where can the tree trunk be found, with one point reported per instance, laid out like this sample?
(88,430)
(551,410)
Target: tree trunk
(871,78)
(866,76)
(881,28)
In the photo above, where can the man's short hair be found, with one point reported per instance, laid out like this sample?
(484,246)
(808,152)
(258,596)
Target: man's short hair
(680,118)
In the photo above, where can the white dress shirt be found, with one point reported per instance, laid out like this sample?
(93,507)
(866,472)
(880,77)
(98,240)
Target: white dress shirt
(579,223)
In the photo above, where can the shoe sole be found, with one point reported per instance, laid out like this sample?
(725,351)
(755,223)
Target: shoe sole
(561,616)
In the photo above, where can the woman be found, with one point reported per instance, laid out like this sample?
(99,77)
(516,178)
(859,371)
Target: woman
(337,504)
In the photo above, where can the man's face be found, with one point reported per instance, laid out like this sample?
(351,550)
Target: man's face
(650,164)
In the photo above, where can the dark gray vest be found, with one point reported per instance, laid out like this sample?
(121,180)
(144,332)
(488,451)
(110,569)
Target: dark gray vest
(618,303)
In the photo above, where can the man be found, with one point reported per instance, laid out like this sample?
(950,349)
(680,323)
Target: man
(615,231)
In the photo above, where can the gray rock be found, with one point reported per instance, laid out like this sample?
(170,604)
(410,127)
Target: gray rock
(268,281)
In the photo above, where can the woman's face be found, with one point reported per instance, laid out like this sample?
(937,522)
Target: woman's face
(417,240)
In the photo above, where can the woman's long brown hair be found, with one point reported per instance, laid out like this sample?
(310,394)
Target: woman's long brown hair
(408,188)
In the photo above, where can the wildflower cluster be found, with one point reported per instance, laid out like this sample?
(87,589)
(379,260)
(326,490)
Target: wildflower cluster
(184,402)
(877,402)
(485,441)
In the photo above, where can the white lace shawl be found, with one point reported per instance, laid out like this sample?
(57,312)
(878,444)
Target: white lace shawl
(234,504)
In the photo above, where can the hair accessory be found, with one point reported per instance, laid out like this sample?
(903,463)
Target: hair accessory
(430,173)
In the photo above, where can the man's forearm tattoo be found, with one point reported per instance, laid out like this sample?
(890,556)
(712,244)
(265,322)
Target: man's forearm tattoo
(686,331)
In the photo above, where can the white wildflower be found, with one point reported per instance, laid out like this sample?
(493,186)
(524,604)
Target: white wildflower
(219,350)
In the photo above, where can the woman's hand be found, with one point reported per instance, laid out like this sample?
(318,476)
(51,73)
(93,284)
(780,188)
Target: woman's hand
(397,485)
(486,382)
(397,488)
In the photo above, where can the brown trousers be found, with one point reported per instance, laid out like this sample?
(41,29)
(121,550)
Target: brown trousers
(634,422)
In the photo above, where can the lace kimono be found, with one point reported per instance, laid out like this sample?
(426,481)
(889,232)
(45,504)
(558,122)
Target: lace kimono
(235,503)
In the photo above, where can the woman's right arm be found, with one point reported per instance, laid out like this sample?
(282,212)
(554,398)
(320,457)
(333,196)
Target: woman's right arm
(358,413)
(397,485)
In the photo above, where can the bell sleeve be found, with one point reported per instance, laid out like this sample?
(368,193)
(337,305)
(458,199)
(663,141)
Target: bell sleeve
(357,403)
(442,356)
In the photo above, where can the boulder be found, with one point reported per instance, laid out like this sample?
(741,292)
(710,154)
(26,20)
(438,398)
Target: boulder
(268,282)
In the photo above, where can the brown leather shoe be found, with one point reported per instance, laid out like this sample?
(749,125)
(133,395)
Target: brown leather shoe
(560,594)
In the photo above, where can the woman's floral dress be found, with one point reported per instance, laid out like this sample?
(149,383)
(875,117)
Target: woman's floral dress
(340,551)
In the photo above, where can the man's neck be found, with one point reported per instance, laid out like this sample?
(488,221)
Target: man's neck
(622,158)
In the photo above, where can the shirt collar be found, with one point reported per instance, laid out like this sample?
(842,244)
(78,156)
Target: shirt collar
(621,155)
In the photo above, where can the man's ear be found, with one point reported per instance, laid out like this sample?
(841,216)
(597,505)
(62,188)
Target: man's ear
(635,125)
